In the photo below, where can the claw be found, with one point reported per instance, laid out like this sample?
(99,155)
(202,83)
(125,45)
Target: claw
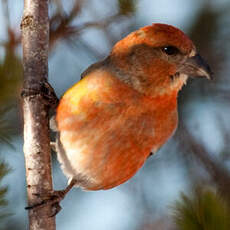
(53,198)
(45,90)
(56,208)
(53,146)
(49,94)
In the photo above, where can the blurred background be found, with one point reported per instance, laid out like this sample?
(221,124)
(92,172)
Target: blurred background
(186,185)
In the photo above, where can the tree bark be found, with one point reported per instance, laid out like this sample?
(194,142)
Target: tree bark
(35,42)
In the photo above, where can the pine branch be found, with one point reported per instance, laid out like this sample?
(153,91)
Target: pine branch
(203,209)
(219,174)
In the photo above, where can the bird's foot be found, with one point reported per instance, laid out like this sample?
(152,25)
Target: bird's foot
(53,146)
(45,90)
(52,198)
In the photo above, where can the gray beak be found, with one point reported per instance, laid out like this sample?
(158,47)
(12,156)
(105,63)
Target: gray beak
(196,67)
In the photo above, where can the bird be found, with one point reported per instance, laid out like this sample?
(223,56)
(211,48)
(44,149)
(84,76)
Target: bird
(124,108)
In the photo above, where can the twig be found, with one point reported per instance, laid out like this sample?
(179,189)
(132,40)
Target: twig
(219,174)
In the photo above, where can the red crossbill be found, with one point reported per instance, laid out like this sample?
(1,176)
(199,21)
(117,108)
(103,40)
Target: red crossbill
(125,107)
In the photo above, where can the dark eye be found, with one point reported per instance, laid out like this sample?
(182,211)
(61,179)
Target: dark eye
(170,50)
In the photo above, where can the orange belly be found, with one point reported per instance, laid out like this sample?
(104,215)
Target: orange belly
(110,134)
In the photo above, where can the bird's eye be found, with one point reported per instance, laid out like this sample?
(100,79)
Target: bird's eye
(170,50)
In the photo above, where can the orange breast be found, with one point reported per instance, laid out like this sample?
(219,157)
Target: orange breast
(108,129)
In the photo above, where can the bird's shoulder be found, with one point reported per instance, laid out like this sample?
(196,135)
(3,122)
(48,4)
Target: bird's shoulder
(95,66)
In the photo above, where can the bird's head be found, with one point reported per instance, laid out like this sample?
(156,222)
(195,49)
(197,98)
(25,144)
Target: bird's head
(157,60)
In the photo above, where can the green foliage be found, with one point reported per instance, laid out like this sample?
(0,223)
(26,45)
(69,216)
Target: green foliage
(204,210)
(6,127)
(126,6)
(11,78)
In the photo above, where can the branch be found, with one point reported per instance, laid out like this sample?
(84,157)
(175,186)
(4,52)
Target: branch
(219,174)
(64,30)
(35,39)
